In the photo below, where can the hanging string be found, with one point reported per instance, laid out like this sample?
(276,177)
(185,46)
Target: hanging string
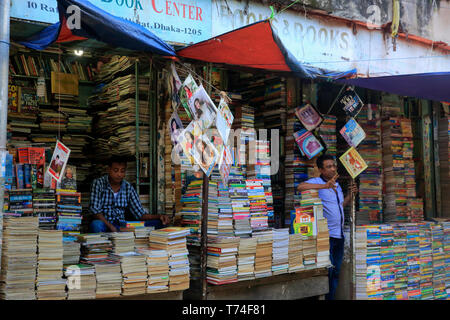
(59,94)
(337,97)
(274,15)
(200,77)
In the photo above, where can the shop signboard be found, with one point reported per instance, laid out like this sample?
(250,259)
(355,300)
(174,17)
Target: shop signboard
(183,21)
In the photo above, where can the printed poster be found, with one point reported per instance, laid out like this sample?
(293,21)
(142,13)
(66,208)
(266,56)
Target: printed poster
(224,120)
(350,102)
(353,162)
(307,143)
(353,133)
(202,108)
(58,161)
(186,92)
(175,127)
(204,153)
(308,116)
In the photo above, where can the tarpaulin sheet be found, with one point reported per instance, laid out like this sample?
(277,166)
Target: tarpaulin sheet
(98,24)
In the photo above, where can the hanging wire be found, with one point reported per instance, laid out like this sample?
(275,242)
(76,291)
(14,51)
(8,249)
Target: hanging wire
(210,84)
(274,15)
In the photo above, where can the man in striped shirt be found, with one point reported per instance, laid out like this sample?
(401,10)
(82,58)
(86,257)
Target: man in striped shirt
(111,196)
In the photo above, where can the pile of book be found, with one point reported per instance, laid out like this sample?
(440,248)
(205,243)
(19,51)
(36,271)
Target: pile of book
(95,247)
(246,259)
(221,260)
(122,242)
(192,210)
(446,227)
(295,252)
(263,256)
(52,121)
(44,207)
(240,203)
(258,205)
(309,251)
(49,283)
(19,258)
(370,180)
(109,277)
(413,256)
(327,132)
(225,215)
(387,262)
(21,201)
(71,250)
(68,207)
(21,124)
(141,235)
(81,282)
(134,272)
(157,270)
(444,158)
(280,251)
(439,269)
(426,261)
(323,244)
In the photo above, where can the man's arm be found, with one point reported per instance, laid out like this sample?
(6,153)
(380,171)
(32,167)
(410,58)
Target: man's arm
(96,205)
(330,184)
(353,188)
(139,212)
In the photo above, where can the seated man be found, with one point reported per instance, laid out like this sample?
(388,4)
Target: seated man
(111,195)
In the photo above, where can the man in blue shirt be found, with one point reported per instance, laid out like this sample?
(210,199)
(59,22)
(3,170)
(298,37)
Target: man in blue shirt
(333,201)
(111,195)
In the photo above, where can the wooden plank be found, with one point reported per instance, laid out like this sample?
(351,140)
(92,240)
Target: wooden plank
(171,295)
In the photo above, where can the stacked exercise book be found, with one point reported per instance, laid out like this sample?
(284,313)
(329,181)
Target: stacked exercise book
(240,203)
(213,208)
(221,260)
(157,270)
(122,242)
(192,210)
(323,244)
(81,282)
(246,258)
(225,216)
(134,273)
(109,278)
(44,208)
(295,252)
(263,257)
(68,207)
(258,204)
(280,251)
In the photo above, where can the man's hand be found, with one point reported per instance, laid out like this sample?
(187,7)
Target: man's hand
(331,183)
(353,188)
(164,219)
(112,228)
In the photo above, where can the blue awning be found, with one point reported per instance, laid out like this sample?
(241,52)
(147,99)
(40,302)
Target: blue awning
(429,86)
(98,24)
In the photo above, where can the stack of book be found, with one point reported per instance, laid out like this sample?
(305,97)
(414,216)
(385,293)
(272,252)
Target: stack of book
(240,204)
(95,247)
(157,270)
(426,261)
(141,235)
(246,259)
(444,159)
(323,244)
(44,208)
(173,240)
(122,242)
(71,250)
(327,132)
(192,210)
(68,207)
(413,256)
(295,252)
(213,208)
(370,180)
(258,205)
(77,143)
(387,262)
(360,263)
(21,201)
(263,256)
(446,227)
(221,260)
(225,216)
(52,121)
(439,269)
(134,273)
(81,282)
(49,283)
(401,262)
(20,125)
(109,278)
(19,258)
(280,251)
(309,251)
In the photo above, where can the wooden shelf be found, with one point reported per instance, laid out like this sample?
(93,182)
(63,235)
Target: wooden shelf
(46,78)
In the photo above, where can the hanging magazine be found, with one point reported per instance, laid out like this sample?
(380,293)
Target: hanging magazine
(353,133)
(58,161)
(350,102)
(186,92)
(308,116)
(353,162)
(308,143)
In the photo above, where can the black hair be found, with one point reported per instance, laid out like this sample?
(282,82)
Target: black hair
(320,160)
(116,159)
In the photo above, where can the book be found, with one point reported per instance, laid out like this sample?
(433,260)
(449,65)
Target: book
(307,143)
(350,102)
(353,162)
(308,116)
(353,133)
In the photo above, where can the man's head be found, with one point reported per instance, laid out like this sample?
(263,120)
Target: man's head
(197,103)
(117,167)
(69,173)
(327,166)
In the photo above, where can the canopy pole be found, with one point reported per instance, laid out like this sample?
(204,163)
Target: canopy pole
(4,69)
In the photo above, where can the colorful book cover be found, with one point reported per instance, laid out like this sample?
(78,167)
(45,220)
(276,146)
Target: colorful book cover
(69,180)
(58,161)
(308,143)
(36,155)
(27,175)
(20,180)
(308,116)
(353,133)
(353,162)
(13,98)
(23,155)
(350,102)
(303,221)
(28,100)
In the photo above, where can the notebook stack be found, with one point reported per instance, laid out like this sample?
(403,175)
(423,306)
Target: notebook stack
(387,274)
(446,227)
(246,259)
(19,258)
(280,251)
(327,132)
(439,272)
(295,252)
(52,121)
(109,278)
(258,205)
(134,272)
(192,210)
(81,282)
(370,180)
(413,255)
(21,202)
(141,235)
(309,251)
(225,217)
(263,257)
(95,247)
(444,159)
(44,208)
(157,270)
(49,283)
(426,261)
(401,262)
(323,244)
(213,208)
(71,250)
(240,204)
(122,242)
(221,260)
(360,263)
(68,207)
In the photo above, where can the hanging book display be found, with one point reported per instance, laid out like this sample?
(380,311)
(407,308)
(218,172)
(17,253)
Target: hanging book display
(308,116)
(58,161)
(186,92)
(175,127)
(350,102)
(309,145)
(353,162)
(353,133)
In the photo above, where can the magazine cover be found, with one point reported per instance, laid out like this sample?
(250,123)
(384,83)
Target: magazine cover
(202,108)
(175,127)
(69,179)
(353,162)
(216,139)
(308,116)
(224,119)
(186,92)
(58,161)
(350,102)
(353,133)
(176,85)
(204,153)
(186,139)
(308,143)
(303,221)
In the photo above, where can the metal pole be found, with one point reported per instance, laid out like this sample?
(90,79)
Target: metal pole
(352,239)
(4,68)
(136,98)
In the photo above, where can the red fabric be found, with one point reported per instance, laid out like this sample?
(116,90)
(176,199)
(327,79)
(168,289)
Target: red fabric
(251,46)
(65,35)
